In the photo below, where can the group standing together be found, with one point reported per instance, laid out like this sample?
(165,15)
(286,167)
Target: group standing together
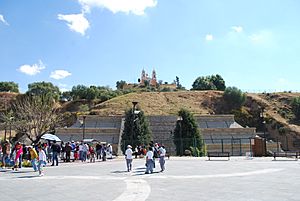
(154,151)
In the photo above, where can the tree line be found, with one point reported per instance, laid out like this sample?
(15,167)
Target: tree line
(103,93)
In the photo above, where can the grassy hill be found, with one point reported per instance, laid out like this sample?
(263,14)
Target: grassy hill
(161,103)
(280,119)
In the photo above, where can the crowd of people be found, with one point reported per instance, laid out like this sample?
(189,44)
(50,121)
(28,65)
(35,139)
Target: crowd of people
(49,152)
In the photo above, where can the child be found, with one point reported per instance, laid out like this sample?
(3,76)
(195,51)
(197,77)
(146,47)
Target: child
(42,161)
(92,155)
(33,157)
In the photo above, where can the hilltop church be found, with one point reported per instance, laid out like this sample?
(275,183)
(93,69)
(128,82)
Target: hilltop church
(145,78)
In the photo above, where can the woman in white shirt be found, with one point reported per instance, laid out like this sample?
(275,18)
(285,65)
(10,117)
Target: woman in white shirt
(149,161)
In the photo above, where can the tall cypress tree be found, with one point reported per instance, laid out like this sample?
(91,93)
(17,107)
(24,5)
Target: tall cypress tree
(187,136)
(136,129)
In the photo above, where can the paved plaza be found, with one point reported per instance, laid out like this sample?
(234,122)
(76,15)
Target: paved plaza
(185,179)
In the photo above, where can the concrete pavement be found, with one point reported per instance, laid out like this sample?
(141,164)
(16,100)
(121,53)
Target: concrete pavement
(184,179)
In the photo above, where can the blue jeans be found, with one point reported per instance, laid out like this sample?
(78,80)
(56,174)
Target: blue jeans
(33,163)
(84,155)
(162,163)
(40,166)
(150,165)
(55,158)
(129,164)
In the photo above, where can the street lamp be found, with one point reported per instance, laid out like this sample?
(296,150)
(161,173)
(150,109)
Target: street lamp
(5,132)
(134,112)
(83,127)
(179,119)
(10,120)
(264,128)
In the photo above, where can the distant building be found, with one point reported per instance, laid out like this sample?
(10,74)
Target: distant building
(145,78)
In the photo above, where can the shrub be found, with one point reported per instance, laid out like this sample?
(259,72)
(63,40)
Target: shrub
(187,152)
(234,97)
(296,107)
(26,163)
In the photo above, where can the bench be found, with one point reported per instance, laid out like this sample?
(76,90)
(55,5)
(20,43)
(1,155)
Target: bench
(218,154)
(288,154)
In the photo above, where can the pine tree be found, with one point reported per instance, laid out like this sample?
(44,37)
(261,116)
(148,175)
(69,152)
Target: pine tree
(187,136)
(136,129)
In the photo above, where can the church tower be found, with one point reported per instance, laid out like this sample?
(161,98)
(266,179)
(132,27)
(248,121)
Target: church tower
(143,77)
(153,81)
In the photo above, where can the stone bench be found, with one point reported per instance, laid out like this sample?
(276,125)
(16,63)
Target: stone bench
(287,154)
(218,154)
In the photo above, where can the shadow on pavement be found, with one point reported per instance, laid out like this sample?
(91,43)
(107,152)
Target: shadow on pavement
(20,172)
(28,177)
(119,172)
(143,173)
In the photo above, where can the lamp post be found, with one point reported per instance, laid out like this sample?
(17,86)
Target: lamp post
(10,120)
(134,103)
(264,129)
(5,132)
(179,119)
(83,127)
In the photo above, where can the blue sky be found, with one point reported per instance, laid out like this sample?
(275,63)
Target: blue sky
(252,44)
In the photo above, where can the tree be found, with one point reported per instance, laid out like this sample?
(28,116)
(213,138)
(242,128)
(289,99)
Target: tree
(186,134)
(120,84)
(295,103)
(234,97)
(79,92)
(203,83)
(43,89)
(177,82)
(136,129)
(219,82)
(34,116)
(214,82)
(9,87)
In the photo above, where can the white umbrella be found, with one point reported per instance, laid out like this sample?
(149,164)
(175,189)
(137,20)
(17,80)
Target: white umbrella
(51,137)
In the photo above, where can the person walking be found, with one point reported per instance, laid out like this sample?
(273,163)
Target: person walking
(98,150)
(6,153)
(18,151)
(162,154)
(149,161)
(33,158)
(42,161)
(68,150)
(55,151)
(128,156)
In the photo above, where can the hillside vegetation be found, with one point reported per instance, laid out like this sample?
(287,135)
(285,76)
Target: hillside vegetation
(280,119)
(162,103)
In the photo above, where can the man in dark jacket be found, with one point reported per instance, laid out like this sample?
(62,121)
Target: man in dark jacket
(56,150)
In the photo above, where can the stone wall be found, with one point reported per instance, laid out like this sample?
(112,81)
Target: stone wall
(108,129)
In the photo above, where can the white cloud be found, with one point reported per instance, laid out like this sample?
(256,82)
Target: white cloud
(3,20)
(32,69)
(136,7)
(76,22)
(237,29)
(60,74)
(262,37)
(63,87)
(209,37)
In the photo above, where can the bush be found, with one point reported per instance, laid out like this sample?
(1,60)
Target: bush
(26,163)
(187,152)
(296,107)
(234,97)
(195,151)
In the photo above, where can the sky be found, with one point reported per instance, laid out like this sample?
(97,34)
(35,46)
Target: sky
(253,44)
